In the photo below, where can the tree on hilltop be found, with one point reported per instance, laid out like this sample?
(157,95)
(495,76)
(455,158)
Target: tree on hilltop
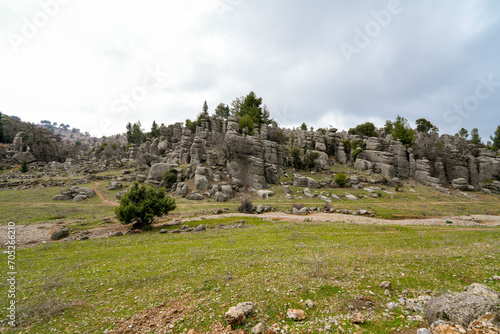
(425,126)
(475,139)
(222,111)
(496,139)
(365,129)
(249,110)
(401,129)
(462,134)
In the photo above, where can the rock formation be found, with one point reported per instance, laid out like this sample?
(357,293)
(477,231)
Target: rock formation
(218,151)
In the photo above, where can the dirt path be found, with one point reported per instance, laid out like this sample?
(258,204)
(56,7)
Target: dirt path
(102,196)
(473,220)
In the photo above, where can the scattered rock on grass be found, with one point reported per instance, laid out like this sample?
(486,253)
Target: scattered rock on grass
(259,328)
(309,303)
(358,318)
(302,211)
(386,285)
(246,307)
(61,234)
(200,228)
(296,314)
(351,197)
(235,316)
(392,306)
(114,185)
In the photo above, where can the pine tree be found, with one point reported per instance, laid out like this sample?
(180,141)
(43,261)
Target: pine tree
(205,108)
(475,139)
(155,132)
(222,111)
(496,139)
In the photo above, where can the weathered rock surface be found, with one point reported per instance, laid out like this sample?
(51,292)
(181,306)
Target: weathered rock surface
(305,182)
(235,316)
(463,308)
(157,170)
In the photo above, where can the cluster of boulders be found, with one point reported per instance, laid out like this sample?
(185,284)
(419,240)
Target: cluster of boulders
(76,194)
(299,209)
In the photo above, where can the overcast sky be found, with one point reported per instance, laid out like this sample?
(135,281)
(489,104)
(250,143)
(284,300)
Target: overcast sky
(97,65)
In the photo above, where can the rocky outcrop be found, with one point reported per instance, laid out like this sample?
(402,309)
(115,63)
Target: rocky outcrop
(77,194)
(253,161)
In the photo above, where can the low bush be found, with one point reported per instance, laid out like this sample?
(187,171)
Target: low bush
(170,177)
(340,179)
(246,206)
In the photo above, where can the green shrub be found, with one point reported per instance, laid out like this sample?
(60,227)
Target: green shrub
(347,145)
(296,160)
(24,167)
(143,203)
(246,122)
(356,152)
(340,179)
(170,177)
(310,159)
(365,129)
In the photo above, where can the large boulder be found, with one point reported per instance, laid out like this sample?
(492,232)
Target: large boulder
(115,185)
(84,191)
(60,234)
(227,190)
(264,193)
(23,157)
(182,189)
(253,161)
(54,166)
(460,184)
(201,182)
(195,197)
(235,316)
(220,197)
(463,308)
(305,182)
(61,197)
(157,170)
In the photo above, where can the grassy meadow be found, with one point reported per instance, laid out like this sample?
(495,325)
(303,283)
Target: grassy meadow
(88,286)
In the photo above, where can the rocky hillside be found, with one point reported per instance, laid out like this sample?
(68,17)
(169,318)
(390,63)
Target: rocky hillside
(257,160)
(28,143)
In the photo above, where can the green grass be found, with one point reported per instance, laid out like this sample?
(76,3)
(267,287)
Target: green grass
(65,286)
(35,205)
